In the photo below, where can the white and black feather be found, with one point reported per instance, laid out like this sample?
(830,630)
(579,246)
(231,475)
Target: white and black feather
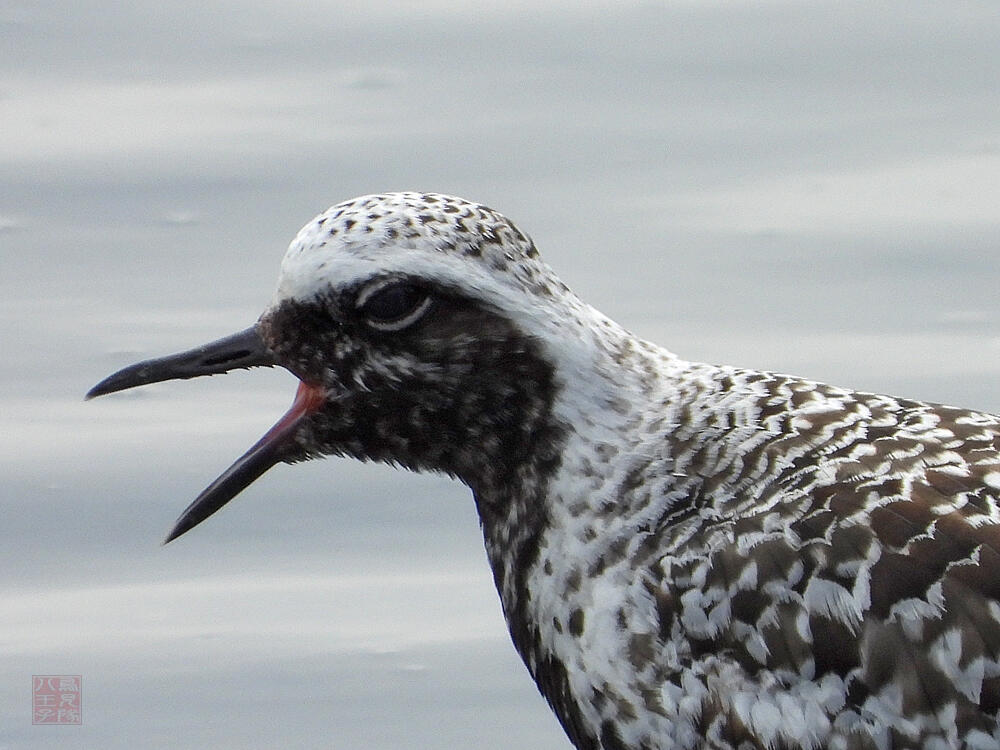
(688,556)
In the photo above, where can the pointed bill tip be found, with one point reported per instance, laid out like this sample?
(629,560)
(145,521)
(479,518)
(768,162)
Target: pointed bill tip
(168,539)
(119,381)
(268,451)
(176,531)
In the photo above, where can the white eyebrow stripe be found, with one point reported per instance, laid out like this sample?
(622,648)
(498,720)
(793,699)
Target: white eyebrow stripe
(371,289)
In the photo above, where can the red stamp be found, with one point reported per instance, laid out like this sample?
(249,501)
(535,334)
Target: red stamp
(56,699)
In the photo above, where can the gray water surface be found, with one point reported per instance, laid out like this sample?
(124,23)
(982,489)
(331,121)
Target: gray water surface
(803,187)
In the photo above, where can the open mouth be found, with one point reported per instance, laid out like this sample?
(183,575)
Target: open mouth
(241,350)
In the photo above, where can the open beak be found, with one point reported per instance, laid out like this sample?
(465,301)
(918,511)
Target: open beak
(241,350)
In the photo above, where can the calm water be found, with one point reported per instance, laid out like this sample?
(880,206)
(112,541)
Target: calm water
(800,188)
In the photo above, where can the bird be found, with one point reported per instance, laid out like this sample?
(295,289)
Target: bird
(687,555)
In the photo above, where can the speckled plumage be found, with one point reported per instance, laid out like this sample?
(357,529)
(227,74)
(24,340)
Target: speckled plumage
(688,556)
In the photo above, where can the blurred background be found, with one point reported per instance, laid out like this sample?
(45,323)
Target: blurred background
(803,187)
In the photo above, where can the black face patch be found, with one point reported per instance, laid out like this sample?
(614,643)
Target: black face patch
(461,392)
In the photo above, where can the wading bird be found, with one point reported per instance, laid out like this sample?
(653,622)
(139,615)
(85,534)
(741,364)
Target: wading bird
(687,556)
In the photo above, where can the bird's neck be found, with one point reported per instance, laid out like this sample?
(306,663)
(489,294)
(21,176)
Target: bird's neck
(538,516)
(602,389)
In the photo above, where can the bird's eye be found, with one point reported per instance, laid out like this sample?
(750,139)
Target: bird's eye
(393,305)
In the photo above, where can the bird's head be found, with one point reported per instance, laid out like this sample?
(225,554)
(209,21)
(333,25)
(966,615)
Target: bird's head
(420,328)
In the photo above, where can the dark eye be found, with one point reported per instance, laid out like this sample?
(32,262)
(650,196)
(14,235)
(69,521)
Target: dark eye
(393,305)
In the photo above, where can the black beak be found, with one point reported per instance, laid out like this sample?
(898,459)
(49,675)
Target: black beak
(241,350)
